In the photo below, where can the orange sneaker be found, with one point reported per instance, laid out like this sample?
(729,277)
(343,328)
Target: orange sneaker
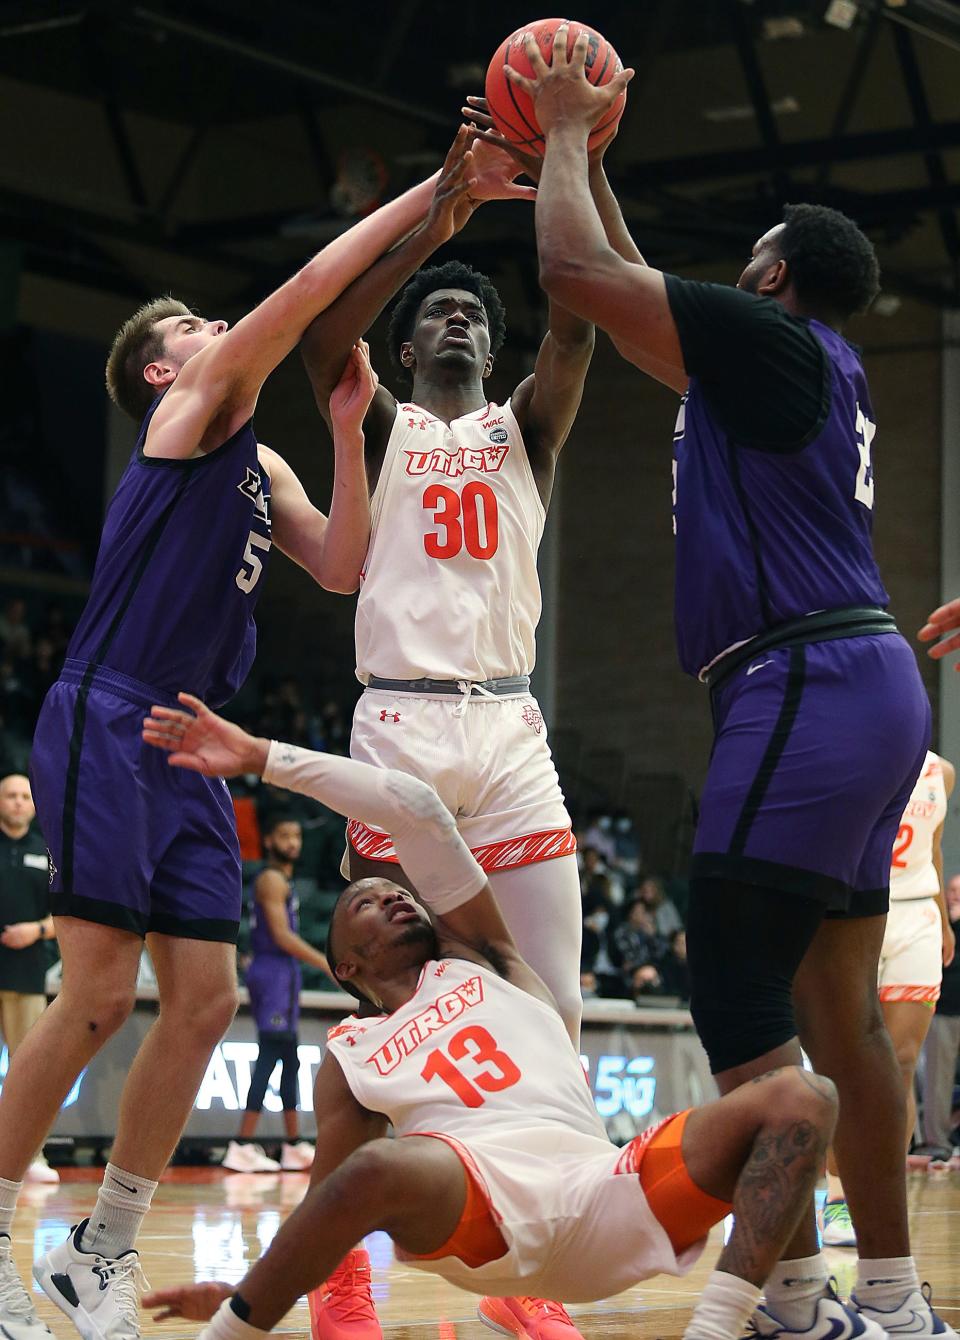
(342,1307)
(527,1318)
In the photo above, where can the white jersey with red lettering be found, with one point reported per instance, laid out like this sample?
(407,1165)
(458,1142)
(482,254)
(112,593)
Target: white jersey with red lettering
(912,872)
(450,587)
(489,1069)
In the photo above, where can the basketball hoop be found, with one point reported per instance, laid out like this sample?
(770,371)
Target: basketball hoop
(361,179)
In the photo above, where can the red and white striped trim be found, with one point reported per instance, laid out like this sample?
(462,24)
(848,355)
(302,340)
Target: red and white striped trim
(492,856)
(922,995)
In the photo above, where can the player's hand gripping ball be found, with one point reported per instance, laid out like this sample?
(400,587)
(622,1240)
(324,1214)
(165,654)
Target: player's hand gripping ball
(512,107)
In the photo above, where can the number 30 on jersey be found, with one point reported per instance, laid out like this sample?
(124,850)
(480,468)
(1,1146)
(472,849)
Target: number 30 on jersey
(468,520)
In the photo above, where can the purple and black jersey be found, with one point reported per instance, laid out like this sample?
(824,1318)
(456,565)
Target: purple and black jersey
(179,570)
(261,939)
(773,506)
(274,977)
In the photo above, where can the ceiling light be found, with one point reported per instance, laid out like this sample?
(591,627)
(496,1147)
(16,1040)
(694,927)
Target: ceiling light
(841,13)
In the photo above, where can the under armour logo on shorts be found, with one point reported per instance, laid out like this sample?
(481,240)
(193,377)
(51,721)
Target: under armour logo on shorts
(393,716)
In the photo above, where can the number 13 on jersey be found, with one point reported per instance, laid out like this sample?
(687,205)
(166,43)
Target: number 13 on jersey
(467,520)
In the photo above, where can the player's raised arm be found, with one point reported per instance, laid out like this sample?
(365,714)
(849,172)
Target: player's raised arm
(216,390)
(578,266)
(466,180)
(331,549)
(431,851)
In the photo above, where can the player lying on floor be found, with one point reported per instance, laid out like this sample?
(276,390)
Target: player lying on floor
(501,1179)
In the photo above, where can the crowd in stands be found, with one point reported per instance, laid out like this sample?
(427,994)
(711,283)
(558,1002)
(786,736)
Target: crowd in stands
(634,942)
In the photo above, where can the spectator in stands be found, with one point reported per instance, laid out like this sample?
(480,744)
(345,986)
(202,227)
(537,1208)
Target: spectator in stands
(941,1049)
(674,969)
(599,919)
(14,631)
(55,628)
(637,945)
(599,835)
(627,847)
(331,729)
(653,894)
(27,923)
(646,981)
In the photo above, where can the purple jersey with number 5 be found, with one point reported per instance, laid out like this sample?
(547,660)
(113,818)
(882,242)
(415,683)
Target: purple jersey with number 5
(768,536)
(179,570)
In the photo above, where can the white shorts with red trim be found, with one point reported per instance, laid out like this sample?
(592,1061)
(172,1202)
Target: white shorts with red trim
(488,759)
(911,959)
(576,1222)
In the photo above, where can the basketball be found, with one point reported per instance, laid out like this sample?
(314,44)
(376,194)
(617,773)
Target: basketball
(512,108)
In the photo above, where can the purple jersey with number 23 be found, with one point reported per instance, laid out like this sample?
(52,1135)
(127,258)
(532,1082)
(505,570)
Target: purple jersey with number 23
(764,537)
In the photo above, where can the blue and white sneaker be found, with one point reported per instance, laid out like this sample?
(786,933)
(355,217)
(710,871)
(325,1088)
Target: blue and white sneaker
(99,1294)
(831,1321)
(914,1317)
(836,1226)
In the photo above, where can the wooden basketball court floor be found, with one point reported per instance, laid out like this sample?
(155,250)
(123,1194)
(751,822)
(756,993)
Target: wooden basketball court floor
(208,1224)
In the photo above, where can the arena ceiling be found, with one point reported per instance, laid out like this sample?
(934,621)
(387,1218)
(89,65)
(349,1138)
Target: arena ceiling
(208,146)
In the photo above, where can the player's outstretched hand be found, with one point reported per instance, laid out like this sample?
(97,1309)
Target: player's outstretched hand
(195,1302)
(204,742)
(943,623)
(451,205)
(477,112)
(350,398)
(561,90)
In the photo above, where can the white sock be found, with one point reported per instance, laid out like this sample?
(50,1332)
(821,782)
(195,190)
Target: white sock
(792,1290)
(725,1307)
(122,1202)
(884,1283)
(9,1191)
(226,1325)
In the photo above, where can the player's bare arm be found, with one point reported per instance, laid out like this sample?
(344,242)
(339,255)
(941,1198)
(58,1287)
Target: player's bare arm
(467,178)
(345,1126)
(434,854)
(578,265)
(215,391)
(546,402)
(331,549)
(949,939)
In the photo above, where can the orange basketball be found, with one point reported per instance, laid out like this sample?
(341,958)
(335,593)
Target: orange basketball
(512,108)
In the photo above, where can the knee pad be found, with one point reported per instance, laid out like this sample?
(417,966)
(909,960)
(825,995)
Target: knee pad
(744,945)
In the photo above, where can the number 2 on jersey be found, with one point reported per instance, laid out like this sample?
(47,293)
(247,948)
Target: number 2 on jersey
(468,520)
(902,846)
(866,431)
(476,1044)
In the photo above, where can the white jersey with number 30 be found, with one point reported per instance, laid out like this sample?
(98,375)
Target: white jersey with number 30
(912,872)
(450,587)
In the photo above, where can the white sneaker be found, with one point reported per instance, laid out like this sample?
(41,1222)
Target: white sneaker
(248,1159)
(836,1225)
(18,1316)
(40,1171)
(99,1294)
(832,1321)
(914,1317)
(298,1157)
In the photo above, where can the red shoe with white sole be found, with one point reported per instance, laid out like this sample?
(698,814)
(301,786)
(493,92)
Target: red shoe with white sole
(527,1318)
(342,1307)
